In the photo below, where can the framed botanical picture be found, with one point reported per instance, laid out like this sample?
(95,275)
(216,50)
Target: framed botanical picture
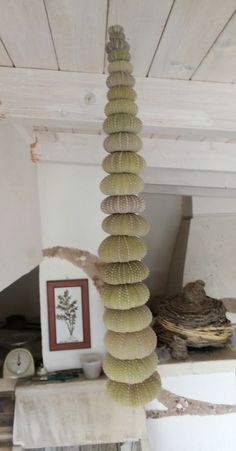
(68,314)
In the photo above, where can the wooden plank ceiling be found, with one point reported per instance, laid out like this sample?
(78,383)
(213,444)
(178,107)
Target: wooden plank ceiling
(180,39)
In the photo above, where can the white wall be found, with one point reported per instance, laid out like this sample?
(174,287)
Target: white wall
(20,234)
(164,213)
(197,433)
(211,249)
(70,211)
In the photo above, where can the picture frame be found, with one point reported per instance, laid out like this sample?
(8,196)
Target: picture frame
(68,314)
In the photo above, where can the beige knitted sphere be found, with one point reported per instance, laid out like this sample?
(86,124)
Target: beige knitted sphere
(116,43)
(121,92)
(121,248)
(123,142)
(125,296)
(118,54)
(130,346)
(125,224)
(123,204)
(121,106)
(122,122)
(129,371)
(121,184)
(135,394)
(118,162)
(120,79)
(132,320)
(121,273)
(120,66)
(115,29)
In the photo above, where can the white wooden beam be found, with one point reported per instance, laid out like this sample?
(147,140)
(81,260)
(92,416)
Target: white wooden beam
(180,167)
(159,153)
(168,108)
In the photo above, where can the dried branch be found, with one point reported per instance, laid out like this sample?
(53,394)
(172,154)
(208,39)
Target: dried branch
(179,405)
(91,264)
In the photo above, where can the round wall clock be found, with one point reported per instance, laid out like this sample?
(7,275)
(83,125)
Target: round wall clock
(18,363)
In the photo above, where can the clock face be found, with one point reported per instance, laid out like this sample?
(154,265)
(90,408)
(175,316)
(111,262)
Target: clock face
(19,362)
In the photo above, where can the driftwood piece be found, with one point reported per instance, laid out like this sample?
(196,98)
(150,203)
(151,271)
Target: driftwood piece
(91,264)
(180,405)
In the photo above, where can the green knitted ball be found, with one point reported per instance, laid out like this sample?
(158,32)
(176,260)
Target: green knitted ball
(121,92)
(125,224)
(121,106)
(118,54)
(118,162)
(120,79)
(123,204)
(121,273)
(120,66)
(117,35)
(132,320)
(129,371)
(116,43)
(121,248)
(136,394)
(115,29)
(122,122)
(123,142)
(120,184)
(124,297)
(130,346)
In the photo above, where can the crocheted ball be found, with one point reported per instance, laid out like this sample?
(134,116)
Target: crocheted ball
(120,79)
(120,66)
(122,142)
(130,346)
(121,273)
(120,184)
(118,54)
(125,296)
(116,43)
(118,162)
(121,106)
(122,122)
(129,371)
(121,248)
(115,29)
(135,394)
(127,320)
(121,92)
(123,204)
(125,224)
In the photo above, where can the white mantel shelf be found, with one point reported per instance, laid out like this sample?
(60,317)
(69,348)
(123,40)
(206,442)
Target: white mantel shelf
(217,361)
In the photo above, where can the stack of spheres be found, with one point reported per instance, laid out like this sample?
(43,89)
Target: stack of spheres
(130,363)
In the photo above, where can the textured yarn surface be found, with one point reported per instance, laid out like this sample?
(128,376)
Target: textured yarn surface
(130,362)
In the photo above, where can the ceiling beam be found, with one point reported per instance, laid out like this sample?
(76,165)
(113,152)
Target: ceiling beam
(178,167)
(75,148)
(168,108)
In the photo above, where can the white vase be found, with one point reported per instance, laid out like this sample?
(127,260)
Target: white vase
(91,364)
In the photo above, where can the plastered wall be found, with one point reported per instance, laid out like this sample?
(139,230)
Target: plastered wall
(20,230)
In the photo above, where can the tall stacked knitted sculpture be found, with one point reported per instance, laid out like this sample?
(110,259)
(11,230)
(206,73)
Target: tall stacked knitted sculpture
(130,362)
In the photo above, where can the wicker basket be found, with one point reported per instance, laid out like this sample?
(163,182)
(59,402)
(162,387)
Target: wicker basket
(192,319)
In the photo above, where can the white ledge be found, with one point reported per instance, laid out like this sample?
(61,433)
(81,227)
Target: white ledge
(217,361)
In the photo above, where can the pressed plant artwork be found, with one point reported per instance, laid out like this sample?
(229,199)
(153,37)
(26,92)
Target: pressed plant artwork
(68,311)
(130,363)
(68,314)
